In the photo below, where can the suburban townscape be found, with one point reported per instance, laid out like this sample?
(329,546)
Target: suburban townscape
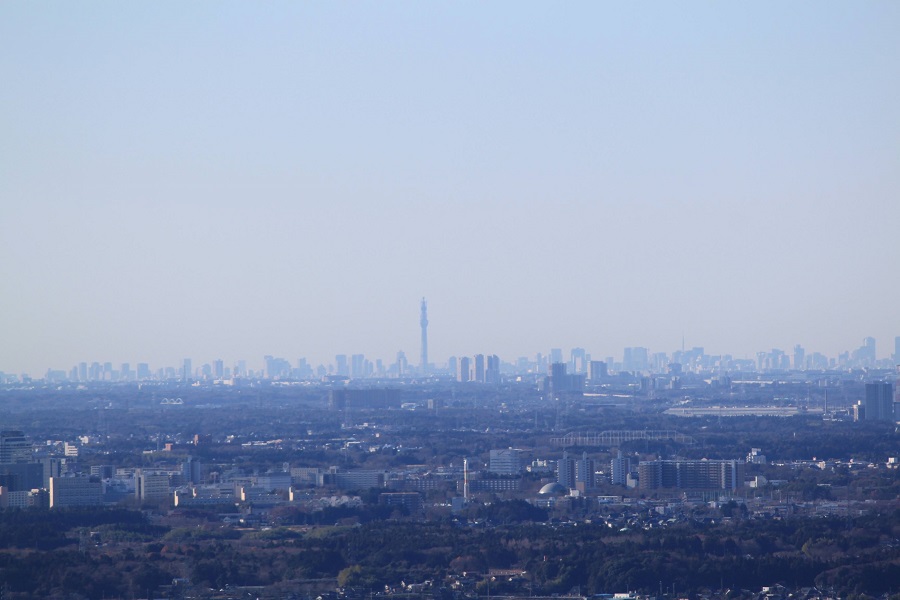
(568,479)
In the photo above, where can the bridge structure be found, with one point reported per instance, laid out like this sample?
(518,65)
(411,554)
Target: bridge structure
(618,437)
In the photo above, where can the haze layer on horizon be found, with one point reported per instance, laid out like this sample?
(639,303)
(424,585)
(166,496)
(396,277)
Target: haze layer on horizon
(237,179)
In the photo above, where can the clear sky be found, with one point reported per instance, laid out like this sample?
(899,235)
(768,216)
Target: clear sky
(229,180)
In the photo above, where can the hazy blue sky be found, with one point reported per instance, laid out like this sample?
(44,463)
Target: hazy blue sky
(228,180)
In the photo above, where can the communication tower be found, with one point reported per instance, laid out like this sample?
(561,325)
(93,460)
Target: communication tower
(423,321)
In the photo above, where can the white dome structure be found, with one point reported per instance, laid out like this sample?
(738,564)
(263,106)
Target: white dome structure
(554,489)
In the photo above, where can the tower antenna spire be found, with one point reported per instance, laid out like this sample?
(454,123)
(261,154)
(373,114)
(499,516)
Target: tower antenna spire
(423,321)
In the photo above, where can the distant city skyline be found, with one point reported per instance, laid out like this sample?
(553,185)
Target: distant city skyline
(239,180)
(628,358)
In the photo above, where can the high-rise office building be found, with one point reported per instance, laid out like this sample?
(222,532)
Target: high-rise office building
(341,367)
(577,360)
(364,398)
(635,359)
(21,476)
(192,470)
(304,370)
(51,467)
(75,491)
(504,462)
(277,368)
(799,357)
(869,345)
(357,366)
(143,371)
(479,368)
(691,474)
(402,364)
(598,371)
(865,355)
(14,447)
(619,469)
(186,371)
(423,323)
(565,471)
(879,405)
(492,369)
(151,486)
(585,473)
(659,362)
(463,373)
(559,381)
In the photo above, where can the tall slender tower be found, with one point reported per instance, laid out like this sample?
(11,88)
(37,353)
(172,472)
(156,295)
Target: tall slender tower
(466,479)
(423,321)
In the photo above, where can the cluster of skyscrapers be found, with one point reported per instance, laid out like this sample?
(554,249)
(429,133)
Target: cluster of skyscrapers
(480,368)
(485,368)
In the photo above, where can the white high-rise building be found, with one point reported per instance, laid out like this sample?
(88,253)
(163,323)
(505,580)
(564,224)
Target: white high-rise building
(619,469)
(585,473)
(504,462)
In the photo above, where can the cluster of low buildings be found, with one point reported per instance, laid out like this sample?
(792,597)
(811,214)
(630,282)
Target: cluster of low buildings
(53,479)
